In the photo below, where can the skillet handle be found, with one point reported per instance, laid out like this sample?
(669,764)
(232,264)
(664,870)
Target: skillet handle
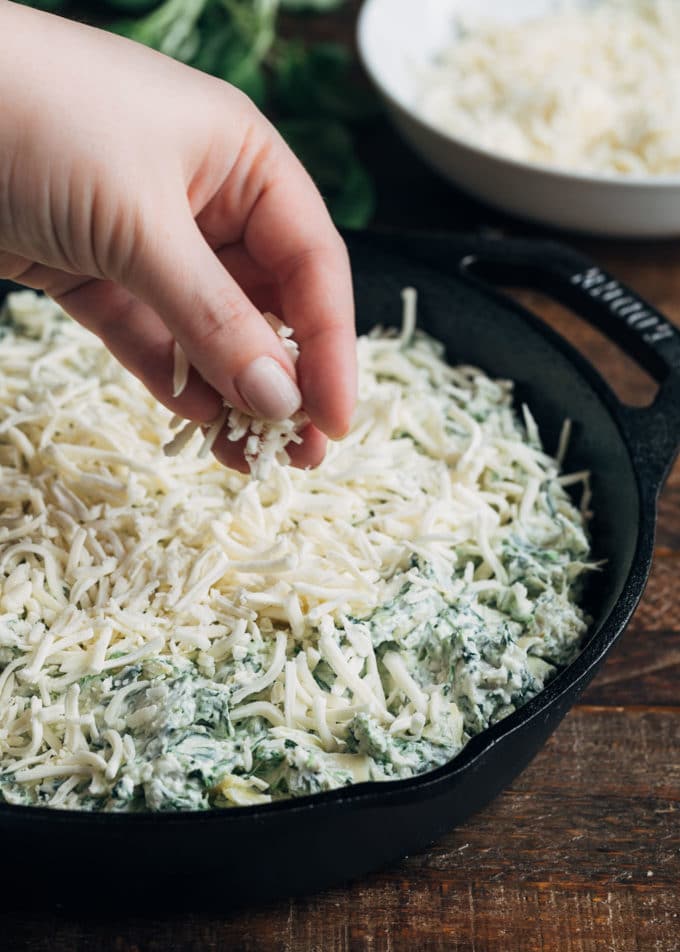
(640,330)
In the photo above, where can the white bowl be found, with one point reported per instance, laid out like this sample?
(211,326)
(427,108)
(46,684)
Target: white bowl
(397,38)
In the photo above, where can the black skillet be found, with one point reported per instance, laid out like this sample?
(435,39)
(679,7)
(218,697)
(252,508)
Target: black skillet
(254,853)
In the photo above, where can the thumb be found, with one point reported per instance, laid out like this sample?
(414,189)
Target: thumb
(222,334)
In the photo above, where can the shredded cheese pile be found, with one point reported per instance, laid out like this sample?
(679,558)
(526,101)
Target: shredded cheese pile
(174,635)
(587,87)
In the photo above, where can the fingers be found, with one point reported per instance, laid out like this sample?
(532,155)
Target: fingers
(290,233)
(221,332)
(143,344)
(329,347)
(137,337)
(256,282)
(269,202)
(333,349)
(327,378)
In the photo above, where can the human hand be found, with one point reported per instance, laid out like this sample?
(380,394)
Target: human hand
(155,203)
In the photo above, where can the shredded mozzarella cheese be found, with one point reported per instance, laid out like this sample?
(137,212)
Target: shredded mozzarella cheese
(265,440)
(586,87)
(145,595)
(180,376)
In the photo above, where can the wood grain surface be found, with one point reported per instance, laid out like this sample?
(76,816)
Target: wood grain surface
(582,853)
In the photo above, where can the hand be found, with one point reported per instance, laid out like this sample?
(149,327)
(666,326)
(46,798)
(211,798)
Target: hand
(156,203)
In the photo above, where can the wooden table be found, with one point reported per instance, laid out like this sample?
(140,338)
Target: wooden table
(582,853)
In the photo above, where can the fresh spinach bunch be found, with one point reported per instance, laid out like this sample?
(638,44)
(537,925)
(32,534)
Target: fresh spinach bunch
(228,38)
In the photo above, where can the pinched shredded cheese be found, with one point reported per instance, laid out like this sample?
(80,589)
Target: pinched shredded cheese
(174,635)
(265,440)
(180,376)
(591,87)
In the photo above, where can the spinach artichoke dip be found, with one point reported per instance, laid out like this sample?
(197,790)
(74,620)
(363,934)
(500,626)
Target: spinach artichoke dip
(177,636)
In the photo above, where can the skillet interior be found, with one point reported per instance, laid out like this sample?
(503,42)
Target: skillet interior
(283,848)
(507,341)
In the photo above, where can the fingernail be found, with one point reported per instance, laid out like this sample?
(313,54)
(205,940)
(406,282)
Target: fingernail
(268,390)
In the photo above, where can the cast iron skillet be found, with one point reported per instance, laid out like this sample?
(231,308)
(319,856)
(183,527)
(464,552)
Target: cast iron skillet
(253,853)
